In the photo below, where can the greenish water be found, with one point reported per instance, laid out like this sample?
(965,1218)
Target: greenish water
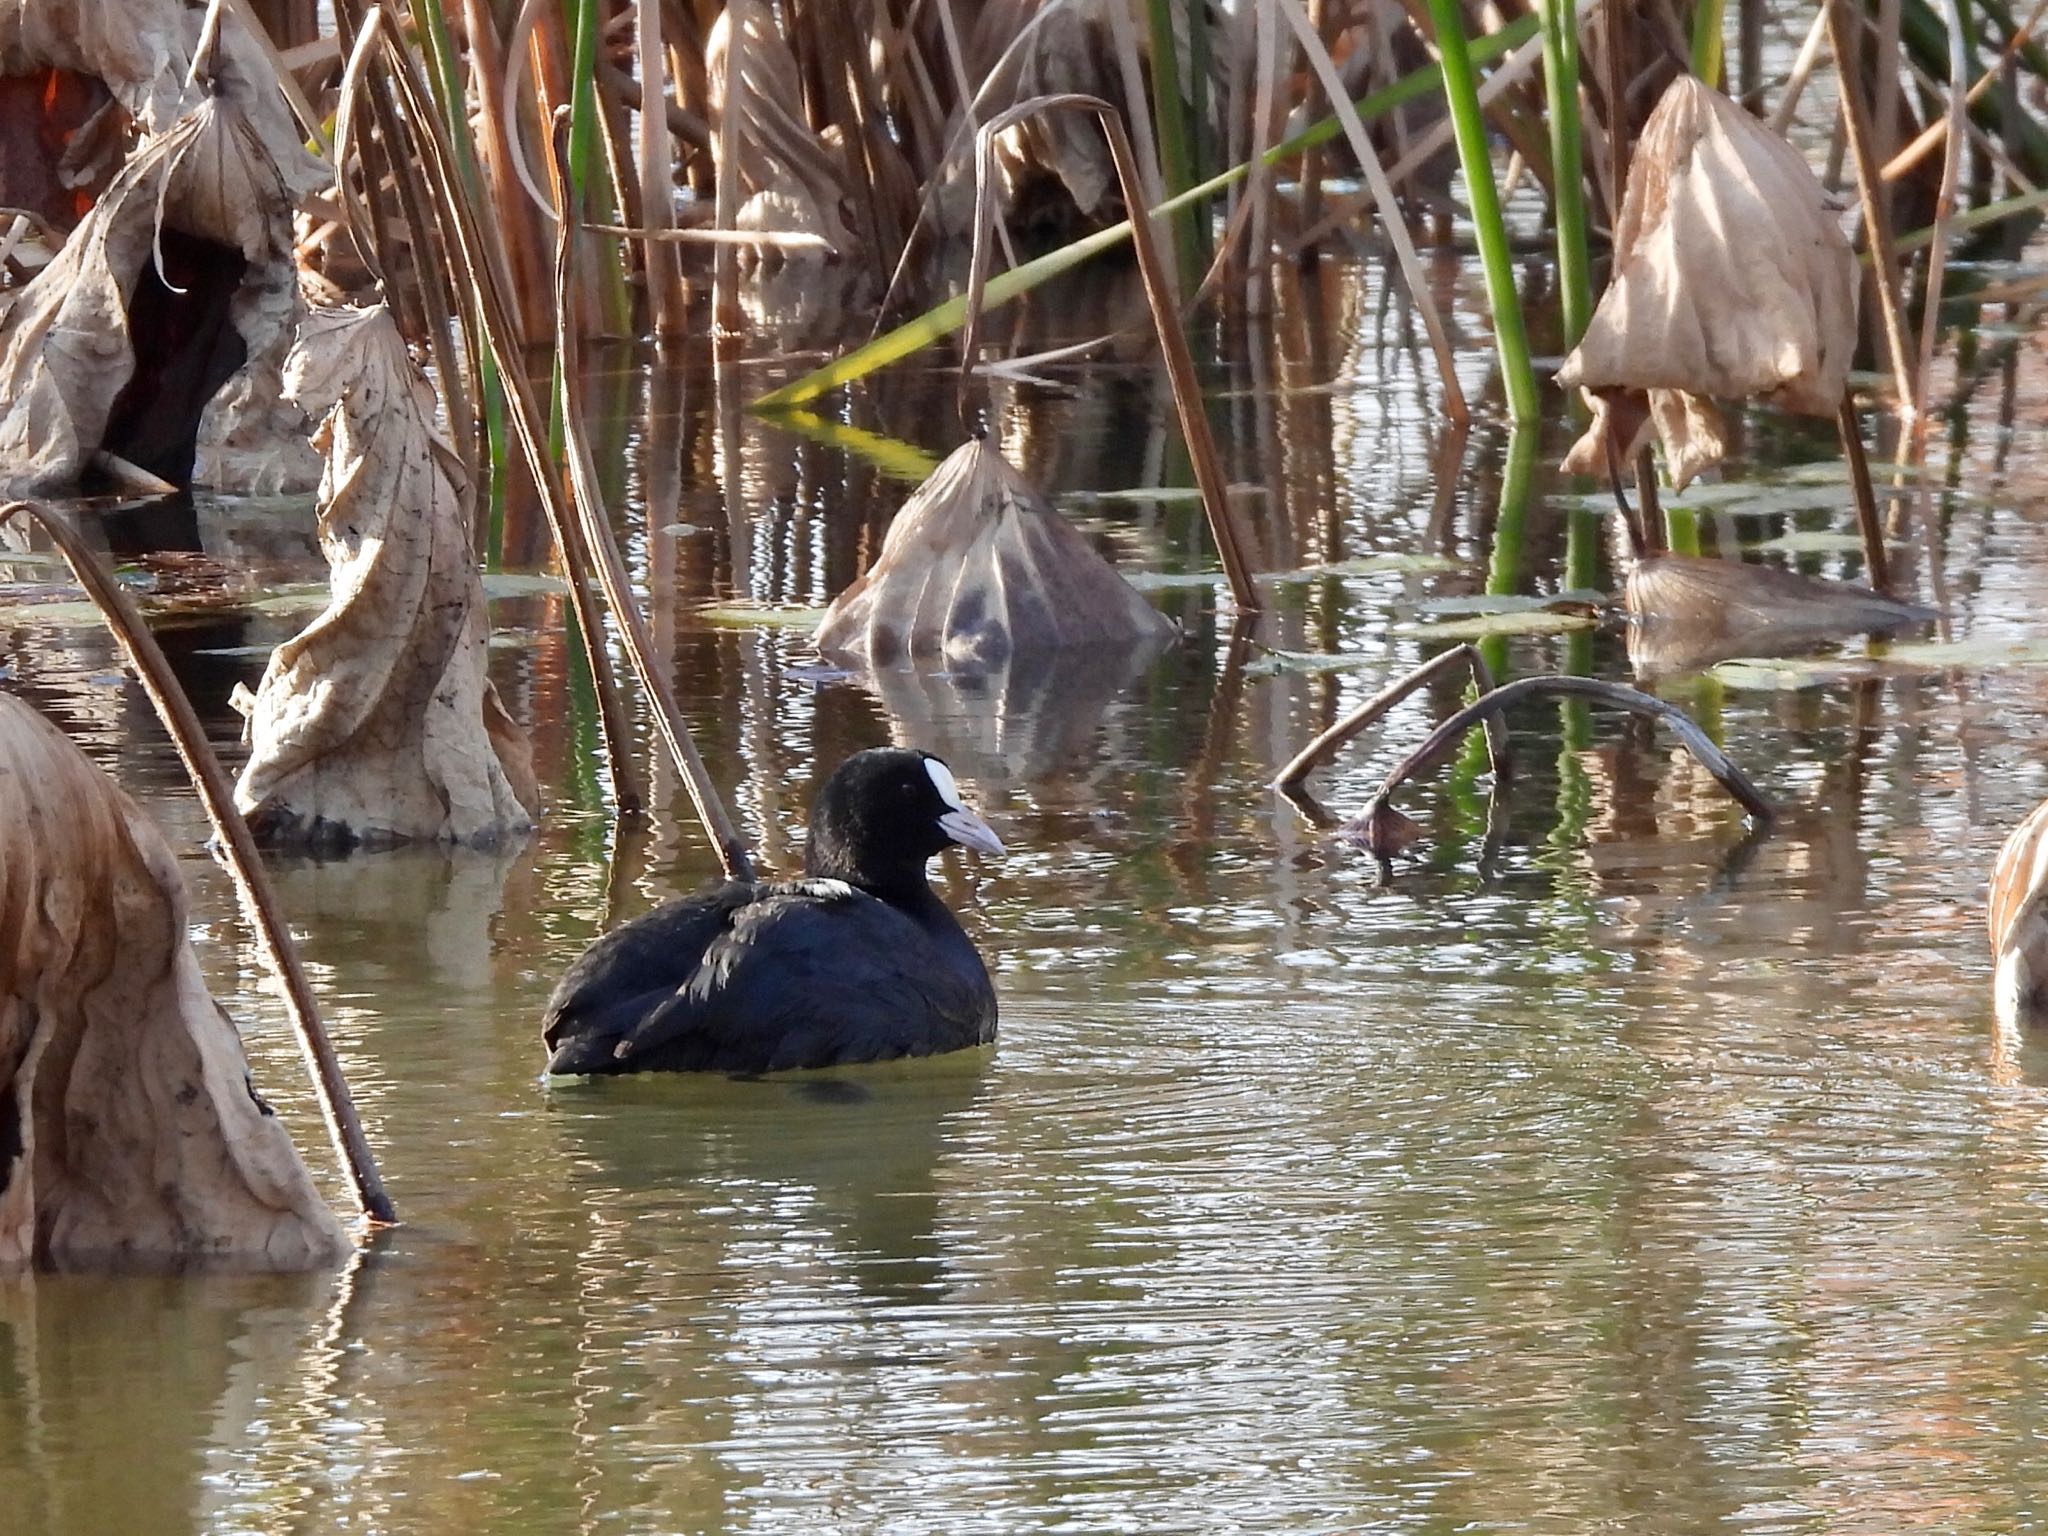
(1620,1177)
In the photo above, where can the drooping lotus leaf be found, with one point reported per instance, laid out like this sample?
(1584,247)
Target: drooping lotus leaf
(377,724)
(1732,278)
(2018,916)
(977,567)
(197,221)
(134,1135)
(1690,613)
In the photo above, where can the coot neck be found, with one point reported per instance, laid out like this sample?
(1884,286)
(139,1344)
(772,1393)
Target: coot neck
(900,882)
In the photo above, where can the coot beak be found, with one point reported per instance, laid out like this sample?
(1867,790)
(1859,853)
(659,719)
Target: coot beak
(970,831)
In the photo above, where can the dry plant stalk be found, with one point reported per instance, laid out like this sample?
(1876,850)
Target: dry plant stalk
(135,1136)
(1462,656)
(259,901)
(1731,279)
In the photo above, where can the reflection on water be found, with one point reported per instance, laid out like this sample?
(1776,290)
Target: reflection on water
(1641,1176)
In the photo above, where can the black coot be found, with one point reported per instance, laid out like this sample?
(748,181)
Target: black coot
(860,961)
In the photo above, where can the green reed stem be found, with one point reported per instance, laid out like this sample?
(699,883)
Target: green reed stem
(1461,90)
(1171,127)
(1708,37)
(1510,535)
(1561,87)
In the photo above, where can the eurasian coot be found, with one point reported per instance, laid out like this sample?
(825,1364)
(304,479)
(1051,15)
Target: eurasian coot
(859,961)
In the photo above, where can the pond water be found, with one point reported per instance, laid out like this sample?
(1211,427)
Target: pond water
(1620,1172)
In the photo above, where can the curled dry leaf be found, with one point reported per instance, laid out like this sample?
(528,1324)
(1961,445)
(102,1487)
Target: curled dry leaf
(1731,278)
(1689,613)
(377,725)
(129,1131)
(977,567)
(176,280)
(2019,921)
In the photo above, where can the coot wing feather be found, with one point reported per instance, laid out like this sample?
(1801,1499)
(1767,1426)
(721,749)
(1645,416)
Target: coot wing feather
(629,971)
(813,974)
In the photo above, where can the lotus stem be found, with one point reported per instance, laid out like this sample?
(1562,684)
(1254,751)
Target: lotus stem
(1944,215)
(1461,90)
(1463,655)
(1617,696)
(1568,191)
(259,900)
(1876,561)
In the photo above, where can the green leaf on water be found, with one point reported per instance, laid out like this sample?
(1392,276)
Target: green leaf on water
(1483,626)
(1812,541)
(1275,662)
(1510,602)
(499,584)
(1988,654)
(751,616)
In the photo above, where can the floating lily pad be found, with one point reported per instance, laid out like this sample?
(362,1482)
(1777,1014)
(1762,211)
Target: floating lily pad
(1510,602)
(1786,676)
(1812,541)
(521,583)
(1275,662)
(1541,621)
(749,616)
(1360,565)
(1979,655)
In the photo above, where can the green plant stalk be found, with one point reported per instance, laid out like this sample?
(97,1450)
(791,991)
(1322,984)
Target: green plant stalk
(1510,535)
(1681,529)
(1170,127)
(1568,201)
(944,319)
(583,99)
(1461,90)
(1708,39)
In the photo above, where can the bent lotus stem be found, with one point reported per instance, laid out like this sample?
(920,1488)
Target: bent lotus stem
(1876,562)
(217,794)
(1615,695)
(1462,655)
(1165,305)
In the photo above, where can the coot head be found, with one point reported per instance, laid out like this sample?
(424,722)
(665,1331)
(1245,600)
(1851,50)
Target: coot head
(883,813)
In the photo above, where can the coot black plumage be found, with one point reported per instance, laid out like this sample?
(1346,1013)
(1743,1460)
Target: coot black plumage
(859,961)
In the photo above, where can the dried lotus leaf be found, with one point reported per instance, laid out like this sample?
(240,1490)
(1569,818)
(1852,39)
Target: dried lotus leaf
(376,724)
(977,567)
(1690,613)
(1732,277)
(134,1135)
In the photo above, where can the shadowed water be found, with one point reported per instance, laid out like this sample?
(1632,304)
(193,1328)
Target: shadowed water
(1622,1174)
